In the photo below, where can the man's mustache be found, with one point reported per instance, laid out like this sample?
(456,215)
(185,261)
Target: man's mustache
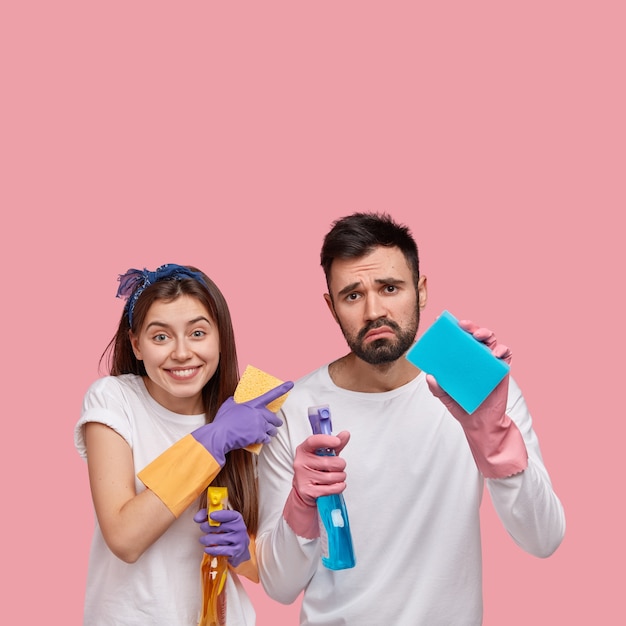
(377,324)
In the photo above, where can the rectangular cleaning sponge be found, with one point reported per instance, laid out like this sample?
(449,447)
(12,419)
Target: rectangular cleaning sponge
(252,384)
(464,367)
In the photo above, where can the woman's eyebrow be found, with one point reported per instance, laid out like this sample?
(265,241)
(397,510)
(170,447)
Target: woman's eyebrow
(195,320)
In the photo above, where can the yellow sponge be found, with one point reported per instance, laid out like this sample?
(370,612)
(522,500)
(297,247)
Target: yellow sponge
(252,384)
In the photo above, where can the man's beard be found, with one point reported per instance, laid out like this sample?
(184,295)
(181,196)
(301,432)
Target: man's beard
(383,350)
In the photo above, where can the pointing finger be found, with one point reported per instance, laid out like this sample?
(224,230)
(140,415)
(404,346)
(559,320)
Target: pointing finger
(272,394)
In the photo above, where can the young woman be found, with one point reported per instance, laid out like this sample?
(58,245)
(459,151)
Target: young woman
(155,433)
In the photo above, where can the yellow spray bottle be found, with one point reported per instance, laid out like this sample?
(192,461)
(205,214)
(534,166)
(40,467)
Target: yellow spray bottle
(214,569)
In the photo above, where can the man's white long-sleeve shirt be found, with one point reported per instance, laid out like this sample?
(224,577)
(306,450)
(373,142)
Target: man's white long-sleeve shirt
(413,497)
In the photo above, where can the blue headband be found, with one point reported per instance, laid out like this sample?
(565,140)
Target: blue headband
(135,281)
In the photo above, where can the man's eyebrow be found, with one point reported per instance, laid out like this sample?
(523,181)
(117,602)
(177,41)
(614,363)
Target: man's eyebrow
(379,281)
(390,281)
(348,288)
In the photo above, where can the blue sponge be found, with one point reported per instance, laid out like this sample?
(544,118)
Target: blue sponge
(464,367)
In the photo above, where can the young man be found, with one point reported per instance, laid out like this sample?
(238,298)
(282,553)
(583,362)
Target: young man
(415,462)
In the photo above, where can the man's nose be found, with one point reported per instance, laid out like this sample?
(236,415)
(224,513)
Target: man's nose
(374,307)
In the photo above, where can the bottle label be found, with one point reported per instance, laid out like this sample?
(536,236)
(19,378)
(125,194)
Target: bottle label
(337,518)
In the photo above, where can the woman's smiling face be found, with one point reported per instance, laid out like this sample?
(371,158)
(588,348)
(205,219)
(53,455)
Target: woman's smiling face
(180,349)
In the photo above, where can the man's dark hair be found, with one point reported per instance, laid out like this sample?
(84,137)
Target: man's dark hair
(359,234)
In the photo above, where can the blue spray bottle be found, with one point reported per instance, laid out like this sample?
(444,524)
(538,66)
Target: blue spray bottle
(337,550)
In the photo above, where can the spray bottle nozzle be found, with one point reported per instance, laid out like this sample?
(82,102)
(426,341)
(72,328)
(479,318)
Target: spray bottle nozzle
(319,416)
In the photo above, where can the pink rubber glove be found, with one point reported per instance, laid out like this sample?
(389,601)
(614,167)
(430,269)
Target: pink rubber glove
(229,539)
(494,439)
(314,476)
(238,425)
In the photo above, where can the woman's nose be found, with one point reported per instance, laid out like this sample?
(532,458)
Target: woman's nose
(181,350)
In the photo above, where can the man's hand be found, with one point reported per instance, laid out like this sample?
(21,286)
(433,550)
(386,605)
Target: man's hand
(495,441)
(314,476)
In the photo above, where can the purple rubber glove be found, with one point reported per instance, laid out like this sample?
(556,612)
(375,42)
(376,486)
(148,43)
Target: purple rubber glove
(238,425)
(496,442)
(229,539)
(314,476)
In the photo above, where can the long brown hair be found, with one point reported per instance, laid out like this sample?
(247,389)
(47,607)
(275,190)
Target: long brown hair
(239,471)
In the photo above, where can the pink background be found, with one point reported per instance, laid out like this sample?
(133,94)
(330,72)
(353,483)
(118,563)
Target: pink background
(230,135)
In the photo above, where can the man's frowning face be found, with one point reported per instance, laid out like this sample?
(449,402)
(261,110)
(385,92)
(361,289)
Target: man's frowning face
(374,301)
